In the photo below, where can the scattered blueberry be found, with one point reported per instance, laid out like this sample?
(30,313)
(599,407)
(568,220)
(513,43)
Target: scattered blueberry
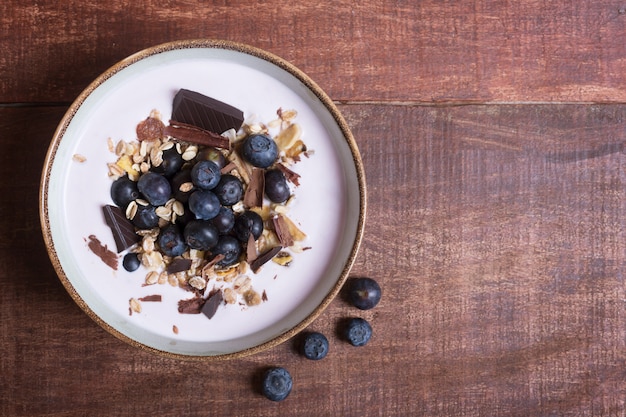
(364,293)
(155,188)
(200,234)
(229,247)
(171,241)
(276,187)
(260,150)
(123,191)
(358,331)
(315,346)
(246,223)
(228,190)
(205,175)
(131,262)
(204,204)
(146,217)
(277,384)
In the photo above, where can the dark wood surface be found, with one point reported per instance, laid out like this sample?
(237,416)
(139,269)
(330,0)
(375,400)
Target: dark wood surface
(492,134)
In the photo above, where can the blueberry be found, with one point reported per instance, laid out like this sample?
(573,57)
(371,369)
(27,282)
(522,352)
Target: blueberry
(276,187)
(228,190)
(246,223)
(131,262)
(358,331)
(204,204)
(229,247)
(224,221)
(200,234)
(315,346)
(364,293)
(277,384)
(172,162)
(180,178)
(155,188)
(205,175)
(171,241)
(146,217)
(123,191)
(260,150)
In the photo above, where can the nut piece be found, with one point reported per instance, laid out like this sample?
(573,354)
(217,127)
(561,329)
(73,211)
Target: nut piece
(135,306)
(252,297)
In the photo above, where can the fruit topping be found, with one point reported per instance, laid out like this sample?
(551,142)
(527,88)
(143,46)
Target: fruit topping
(123,191)
(155,188)
(205,175)
(276,187)
(201,235)
(131,262)
(204,204)
(171,241)
(246,223)
(259,150)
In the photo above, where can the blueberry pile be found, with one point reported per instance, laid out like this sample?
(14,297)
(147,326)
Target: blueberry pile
(363,293)
(208,196)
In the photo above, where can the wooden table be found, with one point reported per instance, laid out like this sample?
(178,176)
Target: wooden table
(492,135)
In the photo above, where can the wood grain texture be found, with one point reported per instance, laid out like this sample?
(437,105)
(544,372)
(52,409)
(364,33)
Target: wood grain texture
(496,232)
(495,210)
(391,50)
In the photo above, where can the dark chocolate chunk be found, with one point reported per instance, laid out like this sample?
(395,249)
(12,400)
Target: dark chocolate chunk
(123,230)
(178,265)
(264,258)
(205,112)
(212,303)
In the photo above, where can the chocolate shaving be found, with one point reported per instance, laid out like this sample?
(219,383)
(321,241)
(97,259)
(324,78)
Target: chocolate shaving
(264,258)
(153,297)
(191,305)
(228,167)
(212,303)
(178,265)
(103,252)
(264,296)
(290,175)
(196,135)
(253,197)
(282,231)
(251,253)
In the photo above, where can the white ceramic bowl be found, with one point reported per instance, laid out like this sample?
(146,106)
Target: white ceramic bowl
(330,202)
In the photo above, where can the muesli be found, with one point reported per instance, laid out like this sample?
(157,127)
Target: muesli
(202,202)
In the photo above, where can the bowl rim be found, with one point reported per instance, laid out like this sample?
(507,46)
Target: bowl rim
(202,44)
